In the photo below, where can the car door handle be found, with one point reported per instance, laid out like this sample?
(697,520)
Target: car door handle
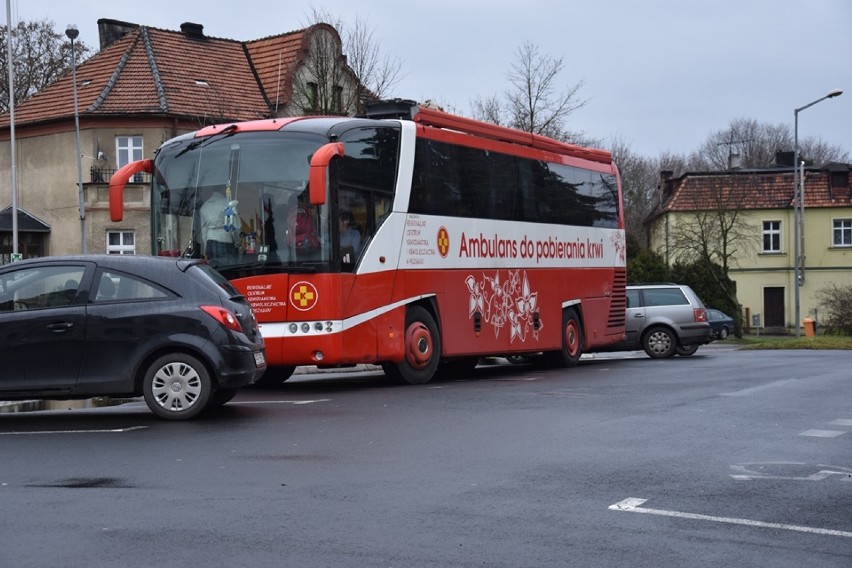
(638,315)
(60,327)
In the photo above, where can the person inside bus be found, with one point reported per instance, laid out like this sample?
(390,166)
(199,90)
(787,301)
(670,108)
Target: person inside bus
(301,232)
(350,236)
(218,243)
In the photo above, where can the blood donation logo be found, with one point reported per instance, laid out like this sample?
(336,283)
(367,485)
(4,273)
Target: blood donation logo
(303,296)
(443,242)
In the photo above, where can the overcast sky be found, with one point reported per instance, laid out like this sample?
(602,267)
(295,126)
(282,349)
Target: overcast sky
(660,75)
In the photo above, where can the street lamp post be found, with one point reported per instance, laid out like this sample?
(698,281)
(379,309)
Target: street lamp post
(72,32)
(12,149)
(798,213)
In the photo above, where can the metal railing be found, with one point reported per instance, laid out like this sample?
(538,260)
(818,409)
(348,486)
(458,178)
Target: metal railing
(99,174)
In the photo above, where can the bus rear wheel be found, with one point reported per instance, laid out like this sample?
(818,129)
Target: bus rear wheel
(572,342)
(422,349)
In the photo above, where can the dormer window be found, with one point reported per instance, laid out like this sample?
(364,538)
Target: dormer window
(840,181)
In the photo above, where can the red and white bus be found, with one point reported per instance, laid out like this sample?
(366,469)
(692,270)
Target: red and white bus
(464,239)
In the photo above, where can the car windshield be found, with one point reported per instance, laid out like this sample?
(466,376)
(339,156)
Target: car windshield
(240,200)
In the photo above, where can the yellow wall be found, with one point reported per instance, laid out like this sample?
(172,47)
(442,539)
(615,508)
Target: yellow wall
(754,271)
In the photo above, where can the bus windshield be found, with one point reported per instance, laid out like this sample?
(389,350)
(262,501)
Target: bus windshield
(240,200)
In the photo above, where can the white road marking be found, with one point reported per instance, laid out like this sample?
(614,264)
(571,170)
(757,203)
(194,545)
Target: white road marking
(33,433)
(822,472)
(281,401)
(752,390)
(632,505)
(841,422)
(822,433)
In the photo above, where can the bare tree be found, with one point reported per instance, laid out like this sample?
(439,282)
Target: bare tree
(716,231)
(489,109)
(756,145)
(41,55)
(638,186)
(368,73)
(535,102)
(377,72)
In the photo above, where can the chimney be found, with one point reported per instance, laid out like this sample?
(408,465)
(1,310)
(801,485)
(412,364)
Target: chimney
(784,159)
(191,30)
(734,162)
(665,185)
(110,31)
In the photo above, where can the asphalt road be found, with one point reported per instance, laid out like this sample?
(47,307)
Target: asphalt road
(724,458)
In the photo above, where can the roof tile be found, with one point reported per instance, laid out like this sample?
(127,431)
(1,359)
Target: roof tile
(164,72)
(752,189)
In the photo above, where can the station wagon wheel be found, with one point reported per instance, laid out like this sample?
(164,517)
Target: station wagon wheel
(177,386)
(422,349)
(723,333)
(686,350)
(659,342)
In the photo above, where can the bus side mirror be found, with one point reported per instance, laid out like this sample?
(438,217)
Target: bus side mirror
(318,180)
(117,182)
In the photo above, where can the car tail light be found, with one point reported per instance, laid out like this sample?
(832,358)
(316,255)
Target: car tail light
(700,314)
(224,316)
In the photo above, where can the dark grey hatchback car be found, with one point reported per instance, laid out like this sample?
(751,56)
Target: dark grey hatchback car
(171,330)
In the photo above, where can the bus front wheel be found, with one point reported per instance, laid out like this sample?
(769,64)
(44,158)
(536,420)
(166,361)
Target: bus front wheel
(422,349)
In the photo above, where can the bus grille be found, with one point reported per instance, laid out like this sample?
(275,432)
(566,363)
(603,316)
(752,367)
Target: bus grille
(618,303)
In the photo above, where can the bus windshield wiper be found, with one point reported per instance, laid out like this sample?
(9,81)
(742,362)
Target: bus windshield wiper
(204,141)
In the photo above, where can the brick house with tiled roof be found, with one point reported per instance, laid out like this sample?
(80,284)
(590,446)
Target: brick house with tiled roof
(763,266)
(143,87)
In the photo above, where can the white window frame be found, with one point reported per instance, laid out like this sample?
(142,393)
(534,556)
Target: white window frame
(841,233)
(122,247)
(129,148)
(772,229)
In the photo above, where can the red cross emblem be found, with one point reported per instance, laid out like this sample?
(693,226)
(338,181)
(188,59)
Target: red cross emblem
(443,242)
(303,296)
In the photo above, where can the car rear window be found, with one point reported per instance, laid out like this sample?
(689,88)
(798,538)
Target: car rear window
(664,297)
(218,279)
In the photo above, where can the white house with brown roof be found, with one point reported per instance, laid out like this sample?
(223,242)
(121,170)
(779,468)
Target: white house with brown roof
(143,87)
(763,260)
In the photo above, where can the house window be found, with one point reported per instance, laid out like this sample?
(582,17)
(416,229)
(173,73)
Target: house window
(129,149)
(772,236)
(842,233)
(337,99)
(312,94)
(121,242)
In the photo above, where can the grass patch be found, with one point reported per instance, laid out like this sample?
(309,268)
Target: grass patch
(776,342)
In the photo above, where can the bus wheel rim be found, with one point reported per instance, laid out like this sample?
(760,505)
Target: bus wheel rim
(572,338)
(418,345)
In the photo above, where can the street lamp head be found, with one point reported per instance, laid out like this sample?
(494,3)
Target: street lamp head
(72,32)
(834,93)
